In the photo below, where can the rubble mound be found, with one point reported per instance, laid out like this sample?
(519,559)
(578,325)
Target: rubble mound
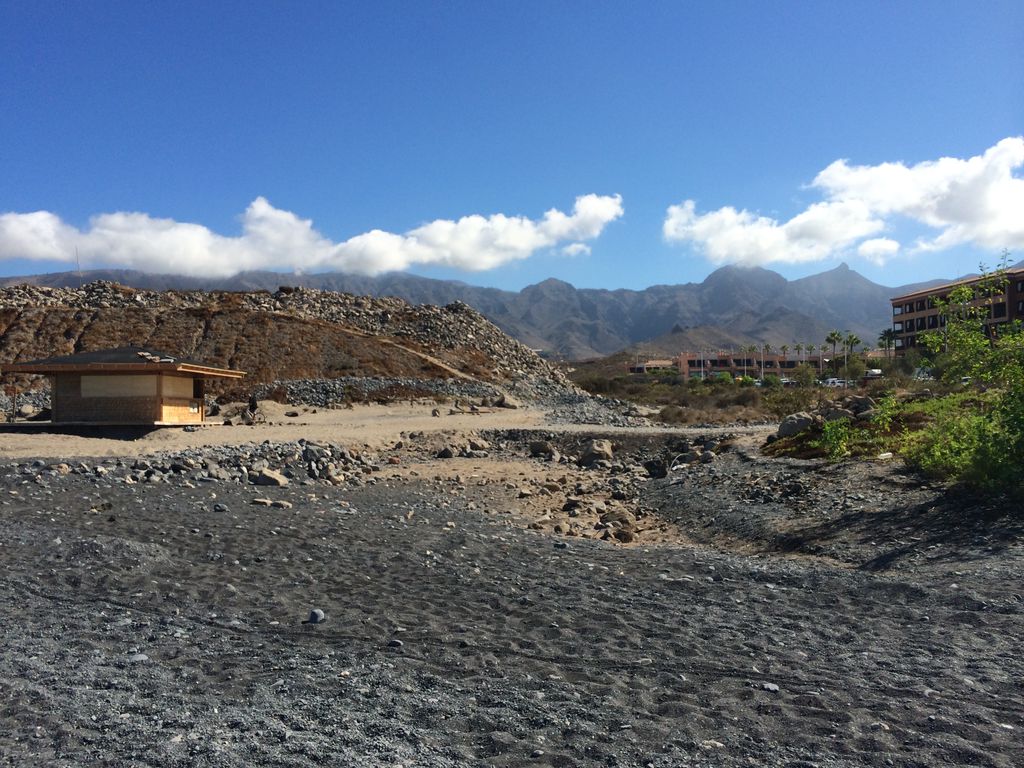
(294,333)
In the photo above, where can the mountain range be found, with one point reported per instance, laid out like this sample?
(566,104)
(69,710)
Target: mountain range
(733,306)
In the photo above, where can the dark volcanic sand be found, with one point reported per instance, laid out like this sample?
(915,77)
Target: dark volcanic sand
(142,627)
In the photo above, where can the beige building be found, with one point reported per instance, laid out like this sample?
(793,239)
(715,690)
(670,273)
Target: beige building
(126,386)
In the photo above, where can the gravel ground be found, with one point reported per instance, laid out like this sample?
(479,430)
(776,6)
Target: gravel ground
(799,615)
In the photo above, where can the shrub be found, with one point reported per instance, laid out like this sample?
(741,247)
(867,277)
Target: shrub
(982,441)
(835,439)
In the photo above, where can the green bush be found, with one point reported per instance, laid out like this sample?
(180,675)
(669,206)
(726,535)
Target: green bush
(980,441)
(835,439)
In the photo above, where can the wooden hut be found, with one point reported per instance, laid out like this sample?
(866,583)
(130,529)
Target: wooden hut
(125,386)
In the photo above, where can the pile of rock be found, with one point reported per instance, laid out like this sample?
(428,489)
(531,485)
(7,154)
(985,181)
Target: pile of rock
(266,464)
(322,393)
(29,403)
(454,328)
(575,407)
(700,450)
(859,407)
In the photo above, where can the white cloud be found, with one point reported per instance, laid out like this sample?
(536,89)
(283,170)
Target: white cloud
(275,239)
(728,235)
(976,201)
(576,249)
(878,250)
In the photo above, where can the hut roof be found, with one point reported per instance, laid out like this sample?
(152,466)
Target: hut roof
(120,360)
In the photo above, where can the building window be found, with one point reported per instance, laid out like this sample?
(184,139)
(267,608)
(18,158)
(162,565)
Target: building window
(898,343)
(1020,307)
(1020,286)
(920,305)
(933,321)
(897,327)
(908,307)
(897,310)
(942,321)
(999,310)
(919,325)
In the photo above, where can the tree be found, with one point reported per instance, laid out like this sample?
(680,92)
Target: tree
(799,349)
(965,336)
(835,338)
(887,340)
(804,375)
(854,368)
(981,440)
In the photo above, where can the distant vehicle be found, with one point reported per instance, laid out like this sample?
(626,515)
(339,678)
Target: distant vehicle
(872,373)
(965,380)
(833,382)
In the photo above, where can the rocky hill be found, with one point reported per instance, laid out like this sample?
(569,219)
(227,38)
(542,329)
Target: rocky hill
(732,306)
(294,333)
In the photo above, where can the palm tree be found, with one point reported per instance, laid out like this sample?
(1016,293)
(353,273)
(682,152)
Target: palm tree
(850,344)
(799,349)
(886,340)
(810,349)
(835,338)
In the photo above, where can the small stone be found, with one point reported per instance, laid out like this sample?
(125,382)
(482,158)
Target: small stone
(316,616)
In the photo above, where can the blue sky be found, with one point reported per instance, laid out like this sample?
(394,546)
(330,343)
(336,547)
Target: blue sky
(436,137)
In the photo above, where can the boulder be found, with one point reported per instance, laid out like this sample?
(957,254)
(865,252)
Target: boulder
(860,403)
(795,423)
(541,448)
(656,468)
(836,414)
(270,477)
(596,450)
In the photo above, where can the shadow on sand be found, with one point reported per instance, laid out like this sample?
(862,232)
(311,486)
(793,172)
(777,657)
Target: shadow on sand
(108,432)
(955,526)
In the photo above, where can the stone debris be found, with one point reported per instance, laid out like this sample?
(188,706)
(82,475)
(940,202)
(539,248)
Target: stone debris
(850,407)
